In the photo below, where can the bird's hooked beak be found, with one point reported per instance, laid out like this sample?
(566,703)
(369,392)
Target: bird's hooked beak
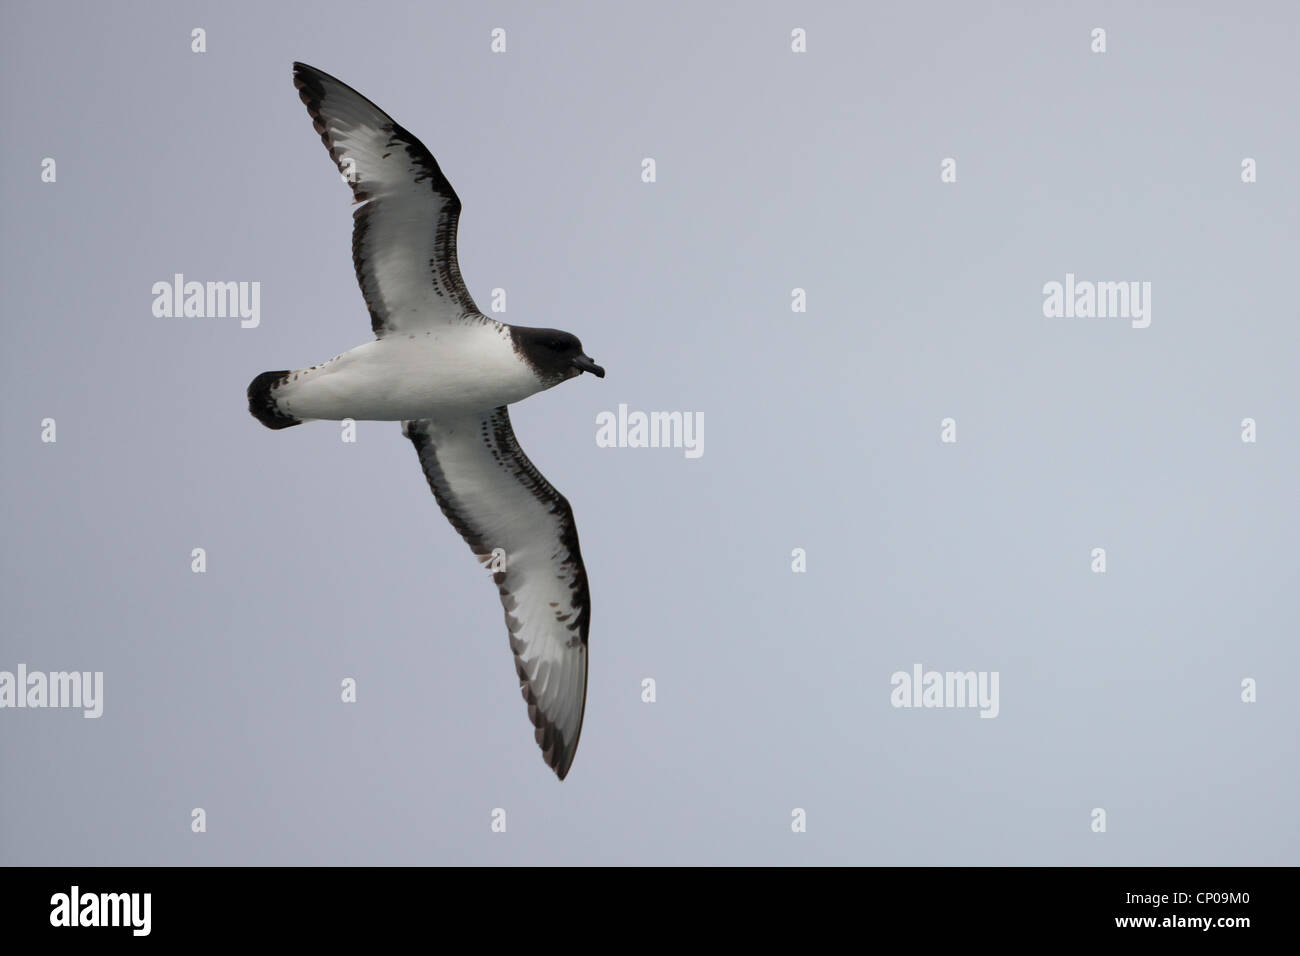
(587,365)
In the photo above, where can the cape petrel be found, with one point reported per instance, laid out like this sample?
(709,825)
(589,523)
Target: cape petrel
(447,373)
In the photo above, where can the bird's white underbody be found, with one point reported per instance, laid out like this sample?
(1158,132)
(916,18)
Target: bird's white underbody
(448,371)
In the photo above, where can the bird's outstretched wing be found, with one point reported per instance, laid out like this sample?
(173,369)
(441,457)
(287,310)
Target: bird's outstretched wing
(497,499)
(404,234)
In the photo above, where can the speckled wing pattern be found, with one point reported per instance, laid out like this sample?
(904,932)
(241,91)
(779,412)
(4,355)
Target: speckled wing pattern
(495,497)
(404,234)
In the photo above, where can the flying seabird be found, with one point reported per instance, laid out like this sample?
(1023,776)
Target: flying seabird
(447,372)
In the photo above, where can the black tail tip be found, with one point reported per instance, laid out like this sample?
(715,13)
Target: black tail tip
(265,408)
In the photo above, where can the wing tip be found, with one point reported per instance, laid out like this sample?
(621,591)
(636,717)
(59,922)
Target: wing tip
(557,750)
(562,760)
(307,81)
(303,71)
(304,75)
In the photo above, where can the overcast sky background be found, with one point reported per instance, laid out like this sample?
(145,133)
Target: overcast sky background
(776,170)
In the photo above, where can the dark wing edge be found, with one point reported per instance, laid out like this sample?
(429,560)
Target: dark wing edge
(499,450)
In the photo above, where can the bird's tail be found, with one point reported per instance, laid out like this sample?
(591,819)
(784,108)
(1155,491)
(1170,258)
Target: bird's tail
(262,403)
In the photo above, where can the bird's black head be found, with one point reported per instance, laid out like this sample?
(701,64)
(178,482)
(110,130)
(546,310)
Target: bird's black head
(555,355)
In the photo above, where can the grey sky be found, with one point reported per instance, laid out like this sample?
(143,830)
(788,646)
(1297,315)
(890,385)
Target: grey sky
(775,170)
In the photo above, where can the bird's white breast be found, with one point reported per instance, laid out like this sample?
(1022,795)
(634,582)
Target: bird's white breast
(406,375)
